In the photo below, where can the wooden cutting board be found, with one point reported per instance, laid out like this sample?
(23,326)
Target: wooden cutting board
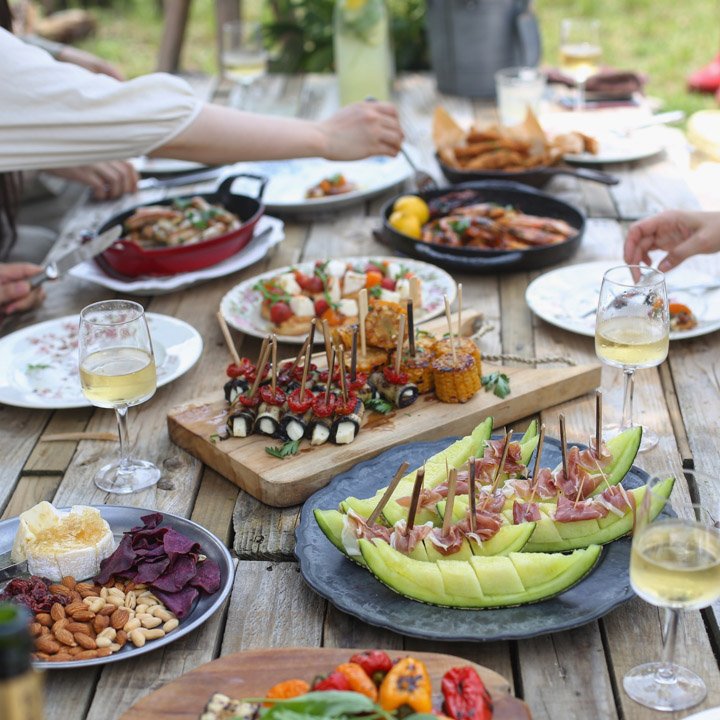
(195,425)
(252,673)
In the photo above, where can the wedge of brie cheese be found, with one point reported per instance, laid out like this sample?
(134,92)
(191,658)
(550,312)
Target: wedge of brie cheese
(56,544)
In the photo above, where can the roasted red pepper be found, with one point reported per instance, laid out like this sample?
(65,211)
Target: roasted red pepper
(324,408)
(358,383)
(276,397)
(395,378)
(298,372)
(334,681)
(244,369)
(253,401)
(323,376)
(300,406)
(465,695)
(376,663)
(345,407)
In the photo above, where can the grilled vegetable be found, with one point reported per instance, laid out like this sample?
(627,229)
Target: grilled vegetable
(346,426)
(234,387)
(399,394)
(321,423)
(408,683)
(456,380)
(462,344)
(268,419)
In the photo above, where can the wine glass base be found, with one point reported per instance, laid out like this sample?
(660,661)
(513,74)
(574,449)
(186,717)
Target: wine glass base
(135,475)
(649,437)
(645,685)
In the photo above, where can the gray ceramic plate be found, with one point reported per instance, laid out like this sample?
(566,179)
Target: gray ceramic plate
(353,590)
(121,519)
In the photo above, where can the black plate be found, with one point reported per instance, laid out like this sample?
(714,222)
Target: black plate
(354,590)
(468,259)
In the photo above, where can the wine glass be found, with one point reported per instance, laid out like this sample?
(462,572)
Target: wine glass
(244,58)
(117,370)
(580,52)
(632,329)
(675,564)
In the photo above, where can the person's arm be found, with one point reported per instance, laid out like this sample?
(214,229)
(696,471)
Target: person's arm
(680,233)
(219,134)
(107,180)
(15,291)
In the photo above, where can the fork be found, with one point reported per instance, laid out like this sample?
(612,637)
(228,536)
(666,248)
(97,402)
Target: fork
(423,180)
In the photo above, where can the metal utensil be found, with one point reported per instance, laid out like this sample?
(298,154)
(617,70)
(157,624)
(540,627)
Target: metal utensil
(665,118)
(423,180)
(152,183)
(57,268)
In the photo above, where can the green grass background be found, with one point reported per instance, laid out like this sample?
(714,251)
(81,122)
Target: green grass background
(665,39)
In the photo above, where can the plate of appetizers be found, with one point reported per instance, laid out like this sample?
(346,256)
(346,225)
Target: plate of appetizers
(108,583)
(286,300)
(568,297)
(450,686)
(39,363)
(548,551)
(310,185)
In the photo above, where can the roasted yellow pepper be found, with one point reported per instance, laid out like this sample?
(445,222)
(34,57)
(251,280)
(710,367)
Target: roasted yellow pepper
(408,683)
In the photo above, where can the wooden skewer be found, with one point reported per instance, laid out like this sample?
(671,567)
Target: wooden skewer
(306,366)
(326,337)
(264,352)
(563,445)
(411,327)
(415,499)
(308,343)
(415,290)
(388,493)
(471,492)
(330,375)
(343,387)
(598,423)
(273,367)
(501,464)
(228,338)
(353,354)
(536,469)
(449,502)
(460,304)
(362,316)
(450,330)
(400,340)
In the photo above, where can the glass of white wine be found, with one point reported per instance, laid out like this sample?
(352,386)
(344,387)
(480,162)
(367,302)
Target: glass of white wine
(580,52)
(117,370)
(675,564)
(632,330)
(243,56)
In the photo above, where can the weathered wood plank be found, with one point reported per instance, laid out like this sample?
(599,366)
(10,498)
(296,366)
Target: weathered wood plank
(214,505)
(342,630)
(54,457)
(30,490)
(263,532)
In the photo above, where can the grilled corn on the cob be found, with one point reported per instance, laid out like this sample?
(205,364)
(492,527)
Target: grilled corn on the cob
(463,345)
(455,381)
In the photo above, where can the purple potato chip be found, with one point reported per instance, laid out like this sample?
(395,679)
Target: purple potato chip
(179,603)
(177,543)
(119,562)
(207,576)
(148,572)
(178,574)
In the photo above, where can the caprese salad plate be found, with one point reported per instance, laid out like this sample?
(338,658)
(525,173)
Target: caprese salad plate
(247,308)
(350,587)
(39,364)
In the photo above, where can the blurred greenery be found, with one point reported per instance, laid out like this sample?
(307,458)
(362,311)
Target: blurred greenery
(665,40)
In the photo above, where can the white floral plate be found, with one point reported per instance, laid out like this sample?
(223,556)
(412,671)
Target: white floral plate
(241,305)
(289,180)
(568,297)
(39,364)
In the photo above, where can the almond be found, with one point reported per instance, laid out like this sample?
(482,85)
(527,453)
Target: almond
(65,637)
(100,623)
(46,644)
(35,629)
(75,596)
(44,619)
(59,625)
(74,627)
(42,656)
(58,589)
(109,609)
(57,612)
(74,650)
(62,657)
(85,641)
(44,630)
(69,582)
(87,655)
(119,618)
(85,589)
(121,638)
(103,652)
(84,615)
(72,608)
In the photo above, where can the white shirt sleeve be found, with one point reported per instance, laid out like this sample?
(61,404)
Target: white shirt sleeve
(54,114)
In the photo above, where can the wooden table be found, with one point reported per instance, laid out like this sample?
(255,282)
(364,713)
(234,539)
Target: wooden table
(575,674)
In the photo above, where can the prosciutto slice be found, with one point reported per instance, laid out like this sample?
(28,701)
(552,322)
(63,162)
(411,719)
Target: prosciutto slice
(571,511)
(545,487)
(525,512)
(355,527)
(404,541)
(487,525)
(618,498)
(429,498)
(490,503)
(447,544)
(579,483)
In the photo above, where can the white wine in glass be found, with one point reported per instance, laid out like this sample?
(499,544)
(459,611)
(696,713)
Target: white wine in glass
(675,564)
(580,52)
(117,370)
(632,331)
(244,57)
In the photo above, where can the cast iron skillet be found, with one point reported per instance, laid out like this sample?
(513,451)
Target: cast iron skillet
(536,177)
(474,260)
(129,259)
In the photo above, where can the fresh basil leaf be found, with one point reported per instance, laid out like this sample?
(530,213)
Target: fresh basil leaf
(291,447)
(379,405)
(330,704)
(498,383)
(375,291)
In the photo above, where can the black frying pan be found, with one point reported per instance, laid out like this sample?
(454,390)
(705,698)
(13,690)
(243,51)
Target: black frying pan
(535,177)
(474,260)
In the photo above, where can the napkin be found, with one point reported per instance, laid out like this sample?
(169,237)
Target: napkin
(250,254)
(609,82)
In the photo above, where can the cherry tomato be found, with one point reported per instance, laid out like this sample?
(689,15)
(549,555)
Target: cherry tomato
(359,382)
(270,397)
(300,406)
(345,407)
(373,278)
(388,283)
(321,305)
(394,378)
(371,267)
(253,401)
(280,312)
(309,283)
(244,368)
(322,408)
(298,372)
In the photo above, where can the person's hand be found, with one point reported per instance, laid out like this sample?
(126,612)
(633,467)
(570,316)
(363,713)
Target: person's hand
(87,60)
(678,232)
(360,130)
(108,180)
(15,291)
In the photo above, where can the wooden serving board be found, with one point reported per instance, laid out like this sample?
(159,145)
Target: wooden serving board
(252,673)
(195,425)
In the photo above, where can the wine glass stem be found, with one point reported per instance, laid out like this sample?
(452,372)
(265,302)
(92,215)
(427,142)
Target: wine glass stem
(121,416)
(580,98)
(666,672)
(628,390)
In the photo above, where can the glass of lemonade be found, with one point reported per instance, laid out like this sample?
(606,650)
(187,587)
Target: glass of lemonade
(117,370)
(632,330)
(518,90)
(243,56)
(675,564)
(580,52)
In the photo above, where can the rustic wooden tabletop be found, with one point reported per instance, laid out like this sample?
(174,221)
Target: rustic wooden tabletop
(575,674)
